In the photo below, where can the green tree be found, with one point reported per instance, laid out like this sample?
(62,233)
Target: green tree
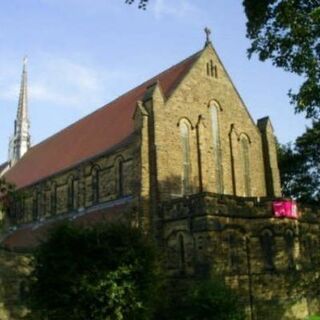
(106,272)
(299,166)
(208,299)
(8,196)
(287,32)
(6,191)
(142,3)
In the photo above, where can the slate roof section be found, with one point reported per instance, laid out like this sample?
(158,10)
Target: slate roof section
(96,133)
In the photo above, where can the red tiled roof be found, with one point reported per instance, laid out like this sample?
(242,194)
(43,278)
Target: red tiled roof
(92,135)
(28,237)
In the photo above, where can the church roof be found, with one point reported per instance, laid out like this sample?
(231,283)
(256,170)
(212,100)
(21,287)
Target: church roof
(29,236)
(97,133)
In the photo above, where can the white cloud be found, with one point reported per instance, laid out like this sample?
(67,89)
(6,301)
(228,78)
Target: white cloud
(58,81)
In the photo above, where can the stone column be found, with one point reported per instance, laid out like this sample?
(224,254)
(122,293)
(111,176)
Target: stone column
(272,174)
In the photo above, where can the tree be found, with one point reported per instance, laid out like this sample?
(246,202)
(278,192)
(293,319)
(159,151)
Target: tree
(142,3)
(288,33)
(300,166)
(208,299)
(8,195)
(98,273)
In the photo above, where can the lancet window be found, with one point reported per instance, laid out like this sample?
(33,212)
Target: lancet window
(186,163)
(267,245)
(95,185)
(119,177)
(245,158)
(214,112)
(289,241)
(182,253)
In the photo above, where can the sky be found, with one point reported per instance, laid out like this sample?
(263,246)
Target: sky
(84,53)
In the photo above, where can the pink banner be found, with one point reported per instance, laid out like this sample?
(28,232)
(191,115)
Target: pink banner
(285,209)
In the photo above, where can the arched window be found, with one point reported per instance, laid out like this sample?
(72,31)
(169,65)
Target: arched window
(185,141)
(233,254)
(53,198)
(182,257)
(71,193)
(245,159)
(267,245)
(289,241)
(119,175)
(214,112)
(35,213)
(95,185)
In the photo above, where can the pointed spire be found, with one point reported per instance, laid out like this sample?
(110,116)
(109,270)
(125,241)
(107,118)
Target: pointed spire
(208,34)
(20,141)
(23,97)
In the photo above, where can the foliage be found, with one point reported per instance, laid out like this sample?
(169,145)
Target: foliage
(288,33)
(300,166)
(8,196)
(208,299)
(105,272)
(6,192)
(142,3)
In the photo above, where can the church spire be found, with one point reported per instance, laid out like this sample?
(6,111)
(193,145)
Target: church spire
(20,142)
(23,97)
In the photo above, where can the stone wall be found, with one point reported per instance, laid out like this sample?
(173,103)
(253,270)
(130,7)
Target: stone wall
(211,163)
(14,268)
(105,178)
(272,263)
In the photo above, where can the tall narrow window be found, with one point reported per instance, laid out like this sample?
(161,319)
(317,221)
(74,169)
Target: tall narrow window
(53,198)
(119,177)
(95,185)
(182,258)
(267,245)
(289,240)
(216,146)
(245,158)
(35,205)
(212,70)
(186,173)
(70,193)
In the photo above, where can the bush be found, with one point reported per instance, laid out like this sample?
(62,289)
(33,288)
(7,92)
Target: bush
(207,299)
(106,272)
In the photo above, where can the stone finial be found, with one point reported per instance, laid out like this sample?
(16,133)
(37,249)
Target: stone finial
(208,34)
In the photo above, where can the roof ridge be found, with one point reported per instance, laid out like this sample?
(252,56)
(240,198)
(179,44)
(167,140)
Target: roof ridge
(113,101)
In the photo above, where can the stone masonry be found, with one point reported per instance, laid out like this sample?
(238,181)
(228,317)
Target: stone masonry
(200,175)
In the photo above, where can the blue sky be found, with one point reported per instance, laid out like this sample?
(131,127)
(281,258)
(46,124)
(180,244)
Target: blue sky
(84,53)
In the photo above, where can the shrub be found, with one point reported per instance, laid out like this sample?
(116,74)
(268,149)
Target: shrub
(207,299)
(105,272)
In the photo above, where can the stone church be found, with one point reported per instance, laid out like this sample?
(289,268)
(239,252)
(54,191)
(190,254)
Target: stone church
(181,157)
